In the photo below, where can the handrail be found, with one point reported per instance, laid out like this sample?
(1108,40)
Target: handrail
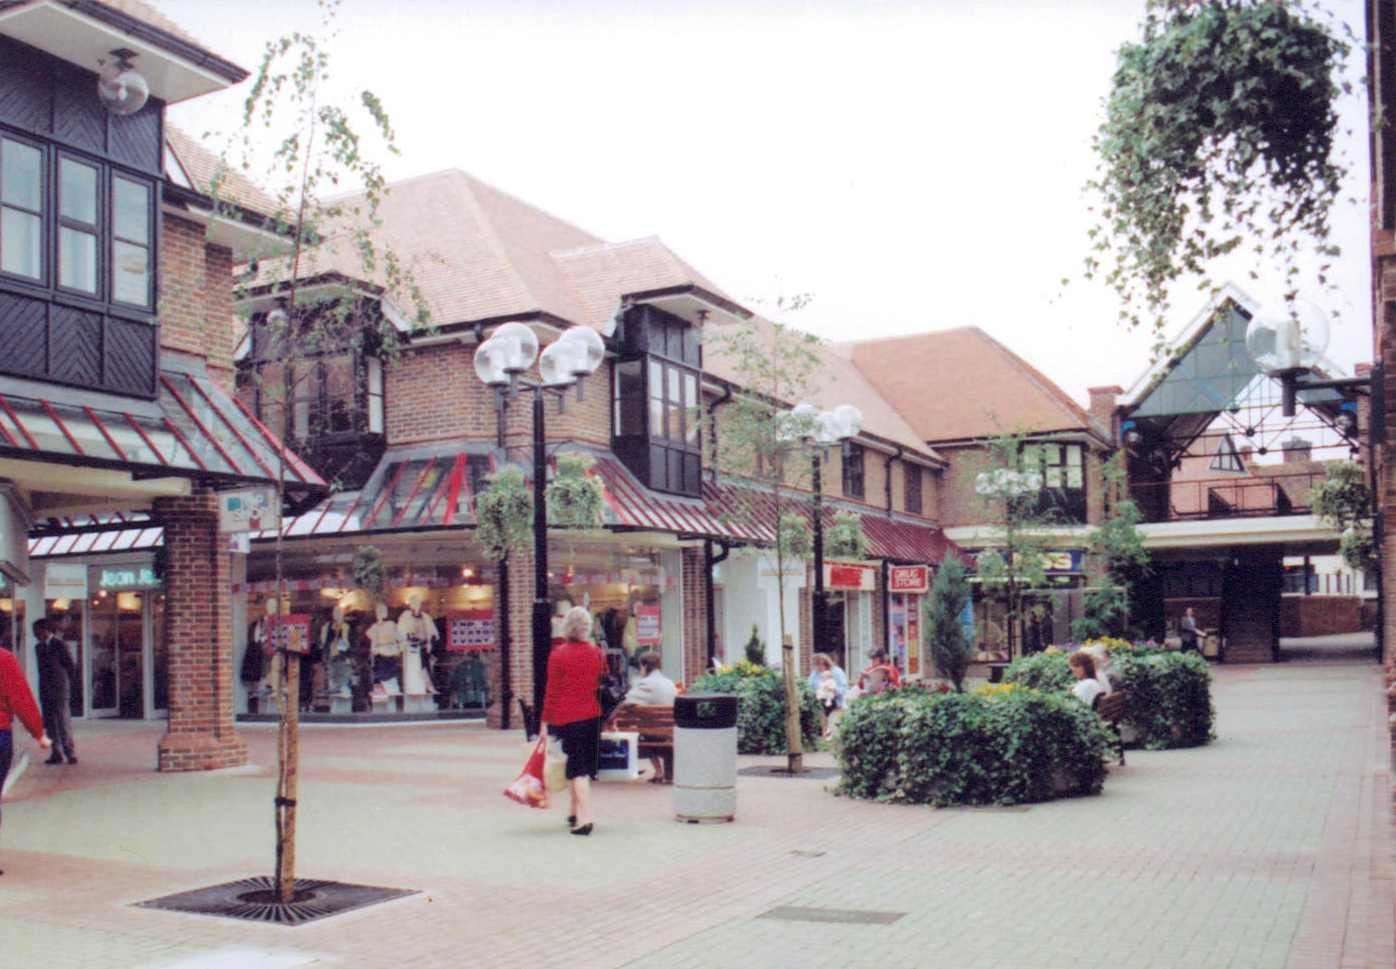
(1236,496)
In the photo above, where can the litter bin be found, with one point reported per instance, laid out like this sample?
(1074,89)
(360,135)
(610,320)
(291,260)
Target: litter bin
(705,757)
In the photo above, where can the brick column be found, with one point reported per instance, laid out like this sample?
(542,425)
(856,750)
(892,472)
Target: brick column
(198,637)
(517,612)
(695,615)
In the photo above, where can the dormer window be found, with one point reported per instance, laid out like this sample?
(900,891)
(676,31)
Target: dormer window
(656,415)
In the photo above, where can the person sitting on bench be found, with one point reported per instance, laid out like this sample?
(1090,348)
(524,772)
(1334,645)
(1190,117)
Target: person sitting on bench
(652,689)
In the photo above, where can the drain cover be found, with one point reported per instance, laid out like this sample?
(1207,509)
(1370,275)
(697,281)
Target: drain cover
(809,773)
(847,916)
(254,900)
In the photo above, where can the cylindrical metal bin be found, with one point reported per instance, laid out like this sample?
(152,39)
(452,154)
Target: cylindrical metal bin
(705,757)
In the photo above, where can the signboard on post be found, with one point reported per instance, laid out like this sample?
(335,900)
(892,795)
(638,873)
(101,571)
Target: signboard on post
(291,633)
(850,576)
(248,510)
(647,617)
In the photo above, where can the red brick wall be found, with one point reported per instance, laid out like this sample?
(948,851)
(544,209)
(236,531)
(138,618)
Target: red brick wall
(1320,615)
(695,617)
(196,296)
(199,639)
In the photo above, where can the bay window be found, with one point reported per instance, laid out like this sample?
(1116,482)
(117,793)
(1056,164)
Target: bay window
(1062,467)
(656,415)
(852,470)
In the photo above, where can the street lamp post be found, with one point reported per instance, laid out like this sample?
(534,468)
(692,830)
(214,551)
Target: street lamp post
(820,429)
(500,362)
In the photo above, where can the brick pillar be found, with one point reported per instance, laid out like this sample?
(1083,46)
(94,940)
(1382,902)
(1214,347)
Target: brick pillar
(198,637)
(518,613)
(1384,283)
(695,615)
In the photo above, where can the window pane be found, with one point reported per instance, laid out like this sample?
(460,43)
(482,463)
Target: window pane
(130,273)
(21,180)
(1054,477)
(675,394)
(690,405)
(77,191)
(656,417)
(630,415)
(1032,457)
(1073,456)
(131,210)
(77,260)
(375,395)
(656,379)
(1074,478)
(629,382)
(20,245)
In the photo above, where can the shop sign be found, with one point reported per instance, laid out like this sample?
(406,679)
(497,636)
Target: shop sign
(910,579)
(291,633)
(647,628)
(849,576)
(65,581)
(248,510)
(470,630)
(142,577)
(1072,560)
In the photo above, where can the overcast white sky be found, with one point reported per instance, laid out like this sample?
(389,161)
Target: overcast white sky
(913,165)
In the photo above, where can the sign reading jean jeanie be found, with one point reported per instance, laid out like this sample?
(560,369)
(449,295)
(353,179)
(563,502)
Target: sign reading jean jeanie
(469,630)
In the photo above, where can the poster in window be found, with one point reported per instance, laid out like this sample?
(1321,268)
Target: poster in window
(469,630)
(647,627)
(291,633)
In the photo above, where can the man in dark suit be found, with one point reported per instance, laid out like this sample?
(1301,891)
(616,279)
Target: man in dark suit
(56,676)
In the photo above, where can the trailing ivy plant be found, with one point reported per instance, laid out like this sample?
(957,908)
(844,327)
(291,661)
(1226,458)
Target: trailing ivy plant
(1218,135)
(1344,501)
(574,496)
(844,538)
(504,514)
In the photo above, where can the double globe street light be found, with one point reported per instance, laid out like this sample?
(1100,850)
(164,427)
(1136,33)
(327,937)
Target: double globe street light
(500,363)
(818,430)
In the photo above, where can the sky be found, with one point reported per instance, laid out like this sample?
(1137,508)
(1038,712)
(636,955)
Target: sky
(913,165)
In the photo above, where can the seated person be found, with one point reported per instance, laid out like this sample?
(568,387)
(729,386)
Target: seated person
(1100,658)
(1087,687)
(879,676)
(652,689)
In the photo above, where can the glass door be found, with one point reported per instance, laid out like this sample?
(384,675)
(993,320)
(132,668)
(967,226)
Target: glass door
(116,633)
(159,689)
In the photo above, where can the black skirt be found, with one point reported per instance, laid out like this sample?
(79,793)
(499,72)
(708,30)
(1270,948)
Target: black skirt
(581,743)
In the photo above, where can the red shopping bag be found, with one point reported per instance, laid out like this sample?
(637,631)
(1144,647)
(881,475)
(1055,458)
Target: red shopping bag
(528,787)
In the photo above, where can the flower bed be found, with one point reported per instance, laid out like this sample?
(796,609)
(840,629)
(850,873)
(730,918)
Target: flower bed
(1170,702)
(1008,746)
(761,707)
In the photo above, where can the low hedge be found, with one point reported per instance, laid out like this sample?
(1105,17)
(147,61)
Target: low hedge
(761,707)
(1170,702)
(1006,747)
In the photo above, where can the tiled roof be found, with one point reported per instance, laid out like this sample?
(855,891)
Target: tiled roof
(836,381)
(956,384)
(204,168)
(479,253)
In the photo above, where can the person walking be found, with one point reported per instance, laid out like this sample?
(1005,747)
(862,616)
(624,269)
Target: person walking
(56,677)
(572,713)
(1188,630)
(16,701)
(829,684)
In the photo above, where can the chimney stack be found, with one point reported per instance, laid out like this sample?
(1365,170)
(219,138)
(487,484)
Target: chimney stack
(1297,451)
(1102,409)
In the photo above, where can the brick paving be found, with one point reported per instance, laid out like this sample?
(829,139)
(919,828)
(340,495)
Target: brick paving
(1270,849)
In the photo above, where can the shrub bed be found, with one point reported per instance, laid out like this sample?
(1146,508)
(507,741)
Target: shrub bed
(1170,702)
(761,707)
(1007,746)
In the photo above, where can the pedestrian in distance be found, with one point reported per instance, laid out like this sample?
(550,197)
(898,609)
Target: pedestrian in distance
(881,675)
(572,712)
(829,684)
(1188,630)
(16,701)
(57,675)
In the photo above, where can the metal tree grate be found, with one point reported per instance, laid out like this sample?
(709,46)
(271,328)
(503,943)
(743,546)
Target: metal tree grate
(808,774)
(846,916)
(254,900)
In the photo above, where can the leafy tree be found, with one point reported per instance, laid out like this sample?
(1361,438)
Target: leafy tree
(1344,501)
(1009,490)
(945,637)
(318,148)
(776,365)
(1118,545)
(1218,138)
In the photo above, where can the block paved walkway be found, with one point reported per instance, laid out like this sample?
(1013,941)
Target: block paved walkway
(1270,849)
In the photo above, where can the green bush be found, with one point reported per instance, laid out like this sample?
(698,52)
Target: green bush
(930,748)
(1047,672)
(1170,693)
(761,707)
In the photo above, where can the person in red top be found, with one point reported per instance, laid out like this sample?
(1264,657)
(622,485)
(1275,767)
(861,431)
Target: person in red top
(16,700)
(881,675)
(572,713)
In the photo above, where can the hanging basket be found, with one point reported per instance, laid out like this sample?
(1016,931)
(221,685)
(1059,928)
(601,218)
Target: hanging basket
(504,514)
(575,496)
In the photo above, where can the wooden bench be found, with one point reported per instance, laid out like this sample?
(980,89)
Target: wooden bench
(1110,707)
(655,725)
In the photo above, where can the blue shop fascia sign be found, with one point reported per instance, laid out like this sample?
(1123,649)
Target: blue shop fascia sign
(127,577)
(1066,561)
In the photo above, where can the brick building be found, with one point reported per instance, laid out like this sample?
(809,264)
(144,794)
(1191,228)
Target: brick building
(115,403)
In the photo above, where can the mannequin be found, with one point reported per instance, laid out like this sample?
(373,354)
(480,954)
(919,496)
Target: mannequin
(334,648)
(265,640)
(417,632)
(386,649)
(560,610)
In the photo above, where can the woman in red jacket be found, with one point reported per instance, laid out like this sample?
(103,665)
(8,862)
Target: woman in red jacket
(572,713)
(16,700)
